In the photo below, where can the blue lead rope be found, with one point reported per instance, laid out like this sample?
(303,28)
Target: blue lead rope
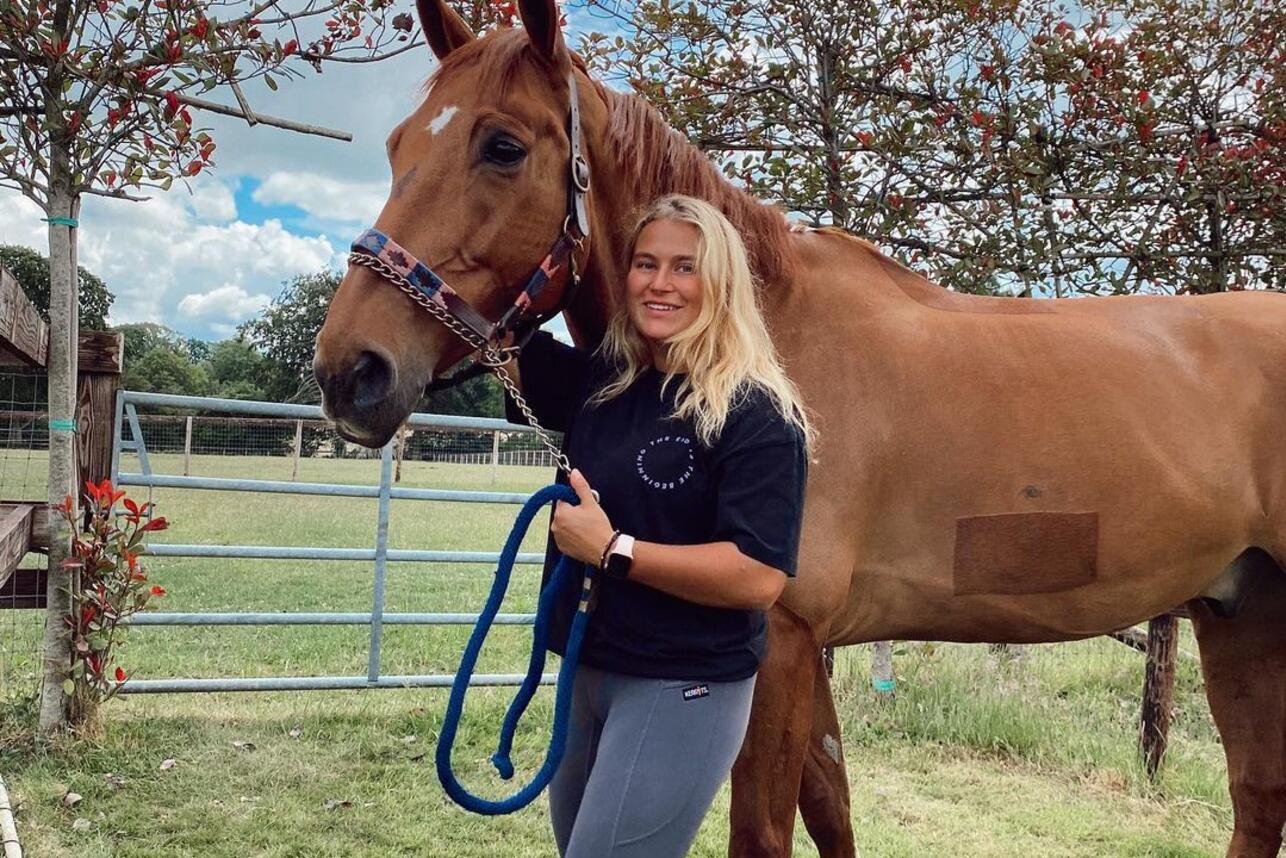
(564,572)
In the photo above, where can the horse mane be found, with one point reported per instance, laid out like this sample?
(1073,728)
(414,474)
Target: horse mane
(662,161)
(657,160)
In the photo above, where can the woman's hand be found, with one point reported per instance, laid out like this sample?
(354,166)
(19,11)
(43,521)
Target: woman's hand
(582,531)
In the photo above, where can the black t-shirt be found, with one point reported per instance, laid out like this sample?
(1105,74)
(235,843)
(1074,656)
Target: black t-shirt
(657,482)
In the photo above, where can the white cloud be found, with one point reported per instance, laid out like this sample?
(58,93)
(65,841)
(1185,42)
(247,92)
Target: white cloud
(326,198)
(224,302)
(167,263)
(20,221)
(213,201)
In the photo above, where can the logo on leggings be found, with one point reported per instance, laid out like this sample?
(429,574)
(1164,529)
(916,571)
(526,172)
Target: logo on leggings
(694,691)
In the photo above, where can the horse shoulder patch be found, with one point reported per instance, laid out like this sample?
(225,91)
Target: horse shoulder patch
(1020,553)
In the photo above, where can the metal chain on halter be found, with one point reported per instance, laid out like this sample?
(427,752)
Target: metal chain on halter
(492,356)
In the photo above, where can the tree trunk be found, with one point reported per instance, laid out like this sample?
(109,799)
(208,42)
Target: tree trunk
(61,365)
(1158,691)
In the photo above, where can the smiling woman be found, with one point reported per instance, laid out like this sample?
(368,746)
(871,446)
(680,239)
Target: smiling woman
(684,422)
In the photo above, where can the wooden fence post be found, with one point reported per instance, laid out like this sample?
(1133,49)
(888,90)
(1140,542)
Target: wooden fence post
(1158,690)
(299,446)
(98,379)
(495,455)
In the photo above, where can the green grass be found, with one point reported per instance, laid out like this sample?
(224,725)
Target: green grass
(980,754)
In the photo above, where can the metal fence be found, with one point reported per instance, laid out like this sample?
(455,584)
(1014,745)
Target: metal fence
(130,437)
(300,438)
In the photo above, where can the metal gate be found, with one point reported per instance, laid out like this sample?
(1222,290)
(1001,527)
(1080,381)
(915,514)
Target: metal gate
(127,422)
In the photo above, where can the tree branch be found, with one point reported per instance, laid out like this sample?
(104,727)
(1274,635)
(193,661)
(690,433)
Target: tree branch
(274,121)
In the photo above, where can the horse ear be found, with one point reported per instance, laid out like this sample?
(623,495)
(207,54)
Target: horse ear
(444,30)
(541,20)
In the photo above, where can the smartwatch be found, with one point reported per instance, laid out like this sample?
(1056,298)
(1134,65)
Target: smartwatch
(620,557)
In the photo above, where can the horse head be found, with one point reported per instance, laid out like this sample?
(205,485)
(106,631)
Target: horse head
(480,189)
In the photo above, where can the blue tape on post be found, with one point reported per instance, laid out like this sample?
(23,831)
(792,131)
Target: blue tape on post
(62,221)
(884,686)
(62,425)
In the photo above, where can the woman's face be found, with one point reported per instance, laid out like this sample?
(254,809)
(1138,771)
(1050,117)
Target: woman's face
(663,287)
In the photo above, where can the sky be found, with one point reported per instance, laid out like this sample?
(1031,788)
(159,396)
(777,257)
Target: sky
(278,204)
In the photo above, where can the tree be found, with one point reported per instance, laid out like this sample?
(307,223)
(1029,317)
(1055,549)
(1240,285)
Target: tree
(167,370)
(96,97)
(197,349)
(140,338)
(31,270)
(993,142)
(236,364)
(285,333)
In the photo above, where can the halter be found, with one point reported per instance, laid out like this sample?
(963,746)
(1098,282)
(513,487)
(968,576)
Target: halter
(377,251)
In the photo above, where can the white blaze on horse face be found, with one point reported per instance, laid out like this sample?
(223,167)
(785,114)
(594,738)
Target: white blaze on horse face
(440,121)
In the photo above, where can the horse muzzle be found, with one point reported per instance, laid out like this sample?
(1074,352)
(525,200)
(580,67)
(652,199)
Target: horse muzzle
(362,396)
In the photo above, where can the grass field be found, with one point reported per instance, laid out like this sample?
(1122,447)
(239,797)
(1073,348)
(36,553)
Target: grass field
(981,754)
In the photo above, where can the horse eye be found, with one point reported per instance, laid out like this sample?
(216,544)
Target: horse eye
(503,152)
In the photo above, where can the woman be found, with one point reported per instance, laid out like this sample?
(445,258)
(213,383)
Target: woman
(696,442)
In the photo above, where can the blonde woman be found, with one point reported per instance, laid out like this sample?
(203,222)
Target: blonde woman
(696,442)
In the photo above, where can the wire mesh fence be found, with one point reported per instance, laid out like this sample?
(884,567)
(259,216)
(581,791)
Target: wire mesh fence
(24,475)
(24,434)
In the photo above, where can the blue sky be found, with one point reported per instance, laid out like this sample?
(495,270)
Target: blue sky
(203,259)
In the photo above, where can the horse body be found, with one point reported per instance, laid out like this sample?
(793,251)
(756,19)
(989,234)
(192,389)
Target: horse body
(1156,414)
(989,469)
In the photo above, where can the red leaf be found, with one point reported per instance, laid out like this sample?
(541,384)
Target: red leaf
(194,168)
(155,524)
(158,590)
(120,674)
(171,104)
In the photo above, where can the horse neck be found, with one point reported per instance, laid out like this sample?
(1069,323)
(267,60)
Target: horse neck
(636,158)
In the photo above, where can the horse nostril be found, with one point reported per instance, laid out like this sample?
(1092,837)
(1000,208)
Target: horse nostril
(372,380)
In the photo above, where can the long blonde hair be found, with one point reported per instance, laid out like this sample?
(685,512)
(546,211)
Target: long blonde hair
(725,351)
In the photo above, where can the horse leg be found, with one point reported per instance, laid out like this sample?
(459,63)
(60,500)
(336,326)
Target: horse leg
(823,791)
(766,776)
(1244,662)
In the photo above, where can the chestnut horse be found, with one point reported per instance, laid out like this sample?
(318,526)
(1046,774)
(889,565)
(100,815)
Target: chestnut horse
(989,469)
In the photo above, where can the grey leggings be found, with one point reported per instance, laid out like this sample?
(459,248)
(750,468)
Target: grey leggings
(644,760)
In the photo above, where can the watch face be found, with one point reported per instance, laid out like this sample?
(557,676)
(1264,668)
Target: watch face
(618,565)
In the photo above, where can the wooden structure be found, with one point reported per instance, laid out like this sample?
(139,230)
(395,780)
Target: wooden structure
(24,523)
